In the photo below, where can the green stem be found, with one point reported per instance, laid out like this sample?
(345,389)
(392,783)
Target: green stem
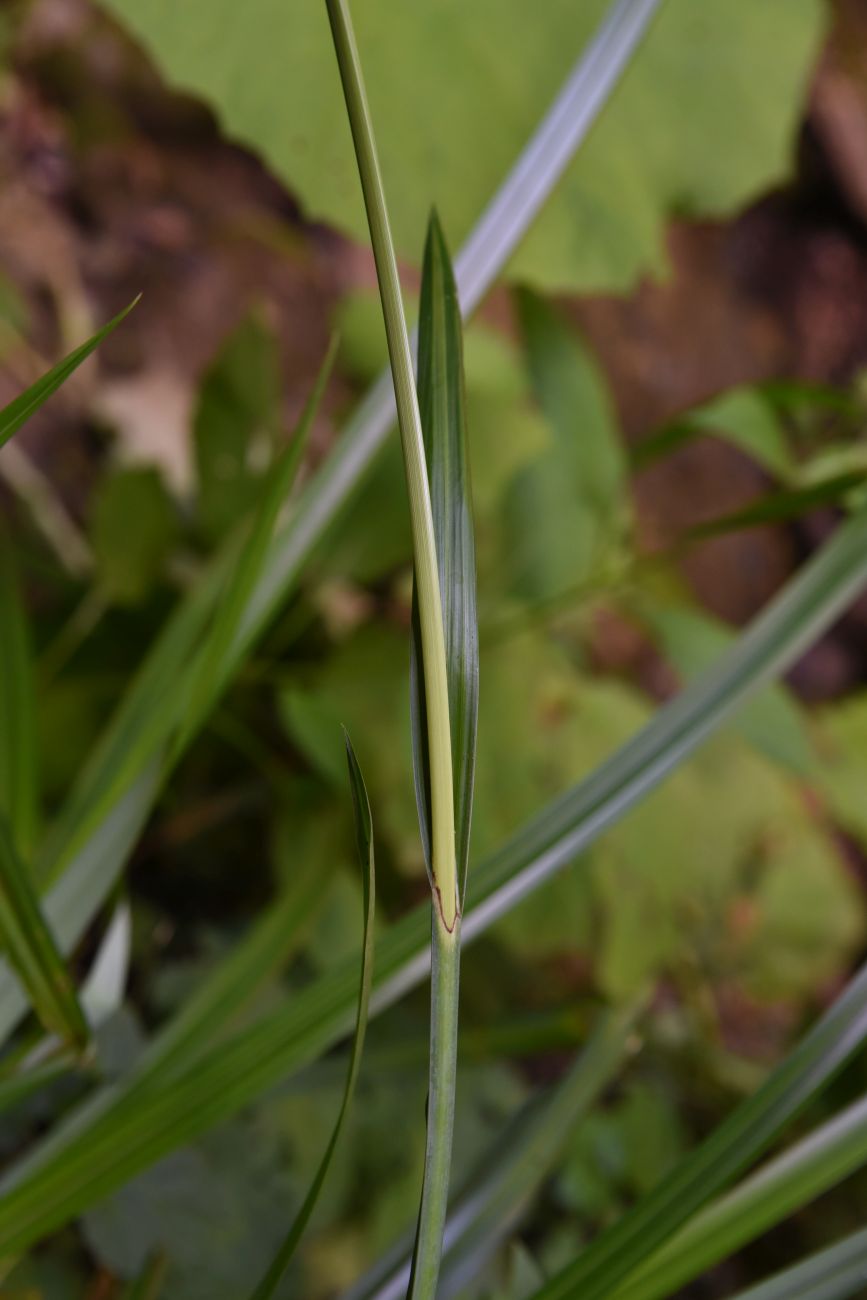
(445,975)
(424,547)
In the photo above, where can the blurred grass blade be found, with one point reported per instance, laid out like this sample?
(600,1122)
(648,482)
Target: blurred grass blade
(19,411)
(88,844)
(790,503)
(102,992)
(94,1151)
(506,1180)
(215,661)
(32,950)
(832,1274)
(150,1282)
(808,1169)
(80,848)
(17,1086)
(731,1148)
(19,782)
(364,842)
(443,415)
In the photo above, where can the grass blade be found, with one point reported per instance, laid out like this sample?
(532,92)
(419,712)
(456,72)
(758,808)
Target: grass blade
(104,816)
(149,1284)
(818,1162)
(19,411)
(788,503)
(832,1274)
(732,1147)
(510,1174)
(19,782)
(32,950)
(364,842)
(90,1155)
(215,661)
(443,416)
(91,859)
(442,405)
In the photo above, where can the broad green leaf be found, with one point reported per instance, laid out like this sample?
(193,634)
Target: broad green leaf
(19,778)
(443,415)
(238,408)
(133,528)
(32,949)
(646,158)
(19,411)
(485,1210)
(832,1274)
(215,660)
(744,1136)
(364,844)
(573,398)
(692,640)
(567,510)
(90,1155)
(776,1190)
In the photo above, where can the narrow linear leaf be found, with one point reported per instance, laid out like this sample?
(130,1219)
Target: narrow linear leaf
(32,950)
(509,1175)
(364,843)
(19,411)
(96,1150)
(779,506)
(443,414)
(19,780)
(731,1148)
(791,1180)
(496,235)
(832,1274)
(216,661)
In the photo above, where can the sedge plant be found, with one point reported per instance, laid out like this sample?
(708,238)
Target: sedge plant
(200,1069)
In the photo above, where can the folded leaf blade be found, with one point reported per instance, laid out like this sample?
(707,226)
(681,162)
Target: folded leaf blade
(443,414)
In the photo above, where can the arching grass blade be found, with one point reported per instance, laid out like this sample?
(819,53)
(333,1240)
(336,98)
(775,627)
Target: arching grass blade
(832,1274)
(19,411)
(364,842)
(791,1180)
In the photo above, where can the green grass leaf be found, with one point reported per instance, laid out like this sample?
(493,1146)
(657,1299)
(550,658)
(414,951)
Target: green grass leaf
(92,1154)
(32,949)
(832,1274)
(19,411)
(776,507)
(443,413)
(19,776)
(364,843)
(732,1147)
(779,1188)
(89,842)
(605,225)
